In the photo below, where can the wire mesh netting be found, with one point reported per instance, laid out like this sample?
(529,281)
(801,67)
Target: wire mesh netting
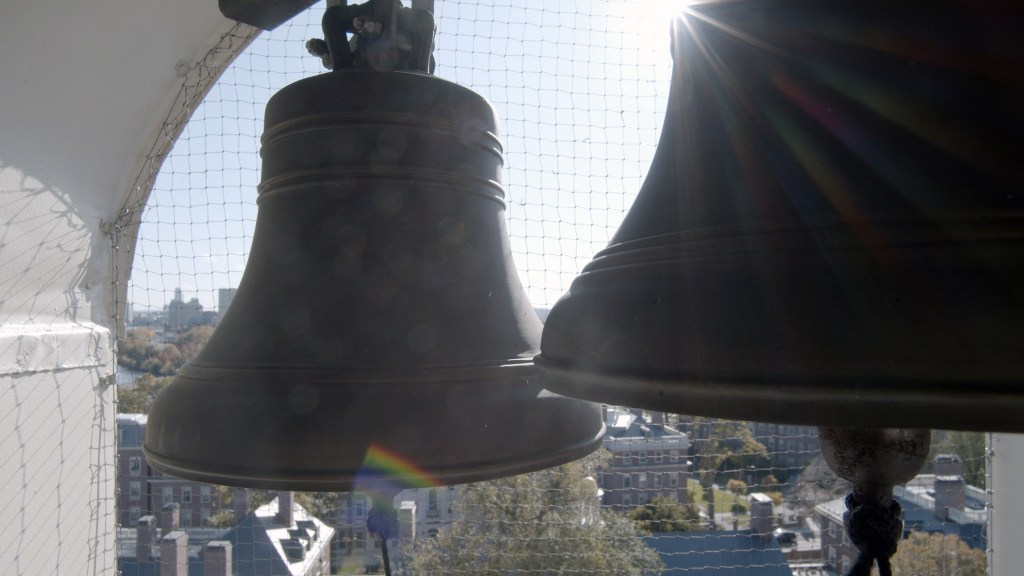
(580,89)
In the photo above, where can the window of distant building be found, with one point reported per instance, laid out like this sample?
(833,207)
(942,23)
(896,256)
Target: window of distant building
(432,502)
(643,457)
(673,456)
(359,505)
(134,466)
(204,494)
(168,494)
(204,514)
(642,481)
(186,519)
(627,481)
(846,563)
(134,490)
(659,457)
(359,539)
(657,480)
(626,500)
(673,479)
(134,513)
(186,494)
(832,556)
(832,529)
(626,458)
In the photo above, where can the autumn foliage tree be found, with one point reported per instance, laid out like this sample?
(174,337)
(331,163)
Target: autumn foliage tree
(926,554)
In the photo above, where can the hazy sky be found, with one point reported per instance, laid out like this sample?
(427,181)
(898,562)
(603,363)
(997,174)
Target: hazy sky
(580,91)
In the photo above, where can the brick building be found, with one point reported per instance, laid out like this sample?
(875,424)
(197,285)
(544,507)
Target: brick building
(144,491)
(649,458)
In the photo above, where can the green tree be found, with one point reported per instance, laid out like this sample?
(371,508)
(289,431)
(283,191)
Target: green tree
(722,446)
(544,523)
(924,554)
(223,515)
(319,504)
(663,514)
(139,398)
(737,487)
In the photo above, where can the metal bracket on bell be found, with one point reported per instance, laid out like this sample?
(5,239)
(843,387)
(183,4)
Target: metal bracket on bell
(385,36)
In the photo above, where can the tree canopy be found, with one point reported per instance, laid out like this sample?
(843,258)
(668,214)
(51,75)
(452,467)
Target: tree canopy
(662,514)
(139,398)
(138,351)
(545,522)
(924,554)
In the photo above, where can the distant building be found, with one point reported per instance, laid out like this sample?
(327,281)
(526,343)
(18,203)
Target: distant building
(144,491)
(355,550)
(431,508)
(649,458)
(181,315)
(277,539)
(790,445)
(421,512)
(934,503)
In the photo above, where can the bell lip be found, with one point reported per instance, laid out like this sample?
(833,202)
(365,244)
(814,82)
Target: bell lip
(377,376)
(577,429)
(347,481)
(828,402)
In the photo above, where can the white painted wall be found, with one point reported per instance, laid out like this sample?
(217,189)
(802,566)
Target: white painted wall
(84,90)
(1007,486)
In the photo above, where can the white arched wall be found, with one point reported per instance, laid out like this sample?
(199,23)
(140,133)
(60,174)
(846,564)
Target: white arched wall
(86,88)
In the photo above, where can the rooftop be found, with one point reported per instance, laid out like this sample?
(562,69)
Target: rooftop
(725,553)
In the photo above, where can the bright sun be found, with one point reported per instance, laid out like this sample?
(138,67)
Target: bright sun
(646,20)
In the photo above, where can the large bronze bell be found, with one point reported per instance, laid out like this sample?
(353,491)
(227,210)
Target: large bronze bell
(380,333)
(832,229)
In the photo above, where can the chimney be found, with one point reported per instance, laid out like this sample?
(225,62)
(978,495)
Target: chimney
(950,493)
(170,516)
(294,550)
(657,417)
(760,513)
(948,465)
(145,537)
(285,513)
(217,558)
(407,521)
(174,554)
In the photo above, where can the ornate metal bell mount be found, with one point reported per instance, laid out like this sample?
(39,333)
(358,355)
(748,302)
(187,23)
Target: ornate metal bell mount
(380,334)
(832,229)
